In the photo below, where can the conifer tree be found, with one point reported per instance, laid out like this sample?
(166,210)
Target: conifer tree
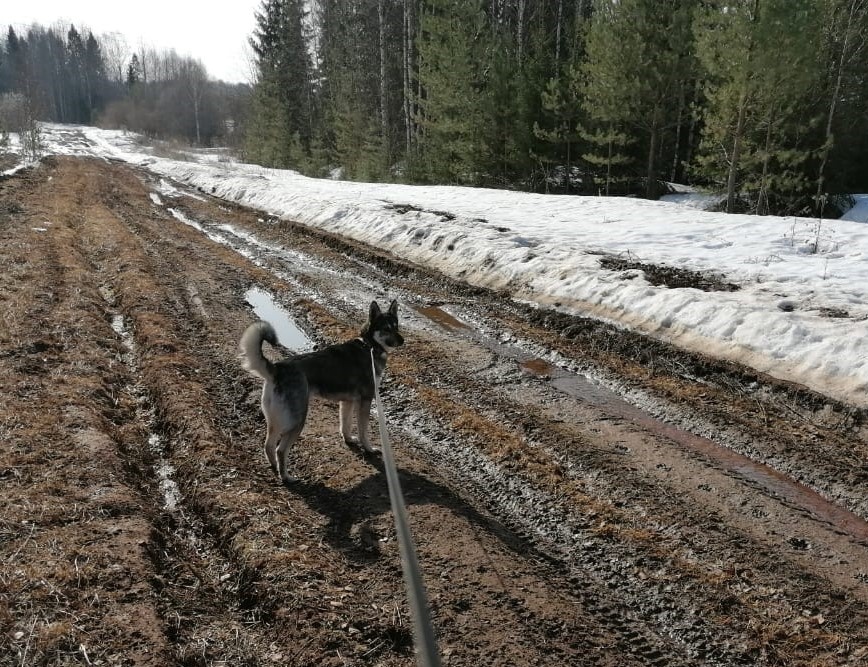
(449,77)
(845,42)
(758,59)
(134,72)
(356,123)
(561,112)
(638,58)
(281,118)
(75,88)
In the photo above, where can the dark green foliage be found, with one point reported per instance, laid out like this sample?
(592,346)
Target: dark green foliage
(762,99)
(761,67)
(450,100)
(281,115)
(638,63)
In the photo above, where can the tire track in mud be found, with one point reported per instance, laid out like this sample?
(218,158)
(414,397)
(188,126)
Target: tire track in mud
(205,596)
(618,622)
(627,631)
(76,588)
(160,564)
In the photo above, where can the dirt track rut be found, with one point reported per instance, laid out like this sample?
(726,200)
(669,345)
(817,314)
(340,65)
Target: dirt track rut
(714,518)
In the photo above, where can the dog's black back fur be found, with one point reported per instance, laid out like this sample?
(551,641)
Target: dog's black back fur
(343,371)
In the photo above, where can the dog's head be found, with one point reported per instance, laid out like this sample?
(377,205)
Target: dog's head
(382,326)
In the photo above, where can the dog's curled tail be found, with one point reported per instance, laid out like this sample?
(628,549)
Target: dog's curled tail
(251,349)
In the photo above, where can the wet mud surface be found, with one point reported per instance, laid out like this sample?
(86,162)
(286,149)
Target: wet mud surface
(579,495)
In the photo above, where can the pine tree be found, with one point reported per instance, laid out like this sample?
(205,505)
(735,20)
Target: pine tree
(607,152)
(845,41)
(96,79)
(18,64)
(134,72)
(562,111)
(76,87)
(356,112)
(504,127)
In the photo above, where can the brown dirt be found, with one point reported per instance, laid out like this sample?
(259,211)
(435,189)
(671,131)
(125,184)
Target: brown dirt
(717,518)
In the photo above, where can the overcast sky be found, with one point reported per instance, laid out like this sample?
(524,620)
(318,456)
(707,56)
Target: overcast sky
(214,32)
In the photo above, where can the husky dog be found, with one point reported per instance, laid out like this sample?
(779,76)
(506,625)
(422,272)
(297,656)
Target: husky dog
(340,373)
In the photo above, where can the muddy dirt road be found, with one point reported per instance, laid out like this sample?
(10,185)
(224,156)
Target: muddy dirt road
(668,511)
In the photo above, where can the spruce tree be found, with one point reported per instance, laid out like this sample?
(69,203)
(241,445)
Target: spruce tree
(759,60)
(282,109)
(561,114)
(134,72)
(638,59)
(451,35)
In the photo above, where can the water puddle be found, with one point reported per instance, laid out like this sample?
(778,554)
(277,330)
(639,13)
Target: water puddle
(539,367)
(441,317)
(288,333)
(777,483)
(579,387)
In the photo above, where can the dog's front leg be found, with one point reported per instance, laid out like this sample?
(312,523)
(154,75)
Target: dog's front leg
(363,416)
(345,410)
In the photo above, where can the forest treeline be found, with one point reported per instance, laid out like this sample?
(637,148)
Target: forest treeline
(59,74)
(764,101)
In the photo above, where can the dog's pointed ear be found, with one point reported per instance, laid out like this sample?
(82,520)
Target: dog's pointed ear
(393,308)
(374,311)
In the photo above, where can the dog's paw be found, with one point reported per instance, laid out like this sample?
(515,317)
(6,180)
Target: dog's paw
(289,481)
(368,448)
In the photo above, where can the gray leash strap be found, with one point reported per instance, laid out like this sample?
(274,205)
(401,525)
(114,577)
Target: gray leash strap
(427,654)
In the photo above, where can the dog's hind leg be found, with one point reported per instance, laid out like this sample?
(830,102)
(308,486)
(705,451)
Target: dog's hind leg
(272,437)
(287,440)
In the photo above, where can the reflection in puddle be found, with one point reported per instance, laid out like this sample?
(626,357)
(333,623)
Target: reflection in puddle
(266,308)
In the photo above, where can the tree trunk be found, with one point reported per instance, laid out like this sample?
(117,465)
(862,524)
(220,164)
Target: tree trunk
(651,173)
(408,116)
(196,114)
(384,101)
(558,36)
(734,158)
(673,174)
(762,204)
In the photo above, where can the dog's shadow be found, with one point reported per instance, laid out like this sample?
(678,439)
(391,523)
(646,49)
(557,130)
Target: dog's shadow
(356,514)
